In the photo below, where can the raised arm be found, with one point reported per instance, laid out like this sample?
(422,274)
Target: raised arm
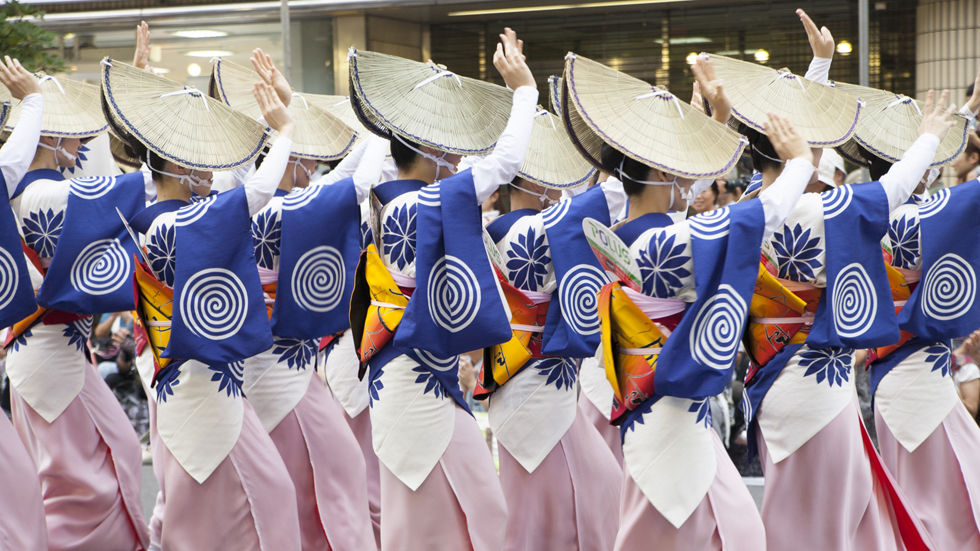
(261,186)
(779,198)
(370,166)
(347,166)
(501,166)
(17,154)
(822,45)
(903,177)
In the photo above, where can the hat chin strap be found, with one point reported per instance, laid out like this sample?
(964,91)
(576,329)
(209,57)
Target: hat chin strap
(687,196)
(58,149)
(545,200)
(297,164)
(440,161)
(192,181)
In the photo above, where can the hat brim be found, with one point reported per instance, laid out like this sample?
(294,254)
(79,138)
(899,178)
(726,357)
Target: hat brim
(71,109)
(552,160)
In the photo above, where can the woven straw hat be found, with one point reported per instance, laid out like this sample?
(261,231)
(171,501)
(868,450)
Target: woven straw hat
(179,123)
(552,160)
(554,93)
(889,123)
(425,104)
(823,116)
(319,135)
(71,109)
(338,106)
(646,123)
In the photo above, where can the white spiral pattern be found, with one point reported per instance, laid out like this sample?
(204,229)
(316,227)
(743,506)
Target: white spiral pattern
(8,278)
(193,212)
(299,199)
(318,279)
(836,201)
(553,214)
(431,360)
(213,304)
(100,268)
(949,289)
(453,294)
(710,225)
(935,204)
(853,301)
(430,195)
(578,297)
(717,329)
(91,187)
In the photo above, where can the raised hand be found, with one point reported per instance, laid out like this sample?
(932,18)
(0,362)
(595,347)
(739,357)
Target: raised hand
(937,119)
(785,140)
(974,103)
(510,63)
(273,110)
(697,100)
(271,75)
(17,79)
(712,89)
(141,59)
(821,41)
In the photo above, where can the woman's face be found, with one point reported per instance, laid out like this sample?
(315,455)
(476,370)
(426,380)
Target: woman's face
(301,173)
(704,201)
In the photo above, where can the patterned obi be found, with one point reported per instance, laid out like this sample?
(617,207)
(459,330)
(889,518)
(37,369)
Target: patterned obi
(902,282)
(377,305)
(529,310)
(632,336)
(153,315)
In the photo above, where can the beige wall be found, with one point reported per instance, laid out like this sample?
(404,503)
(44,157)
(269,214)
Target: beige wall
(381,34)
(947,46)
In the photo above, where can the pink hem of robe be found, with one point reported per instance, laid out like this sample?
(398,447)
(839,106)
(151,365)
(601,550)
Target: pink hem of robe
(21,507)
(609,433)
(361,427)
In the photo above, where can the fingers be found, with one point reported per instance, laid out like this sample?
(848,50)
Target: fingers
(825,33)
(944,101)
(930,102)
(808,24)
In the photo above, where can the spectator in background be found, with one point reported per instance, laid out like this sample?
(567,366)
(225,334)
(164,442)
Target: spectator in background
(705,200)
(110,333)
(966,374)
(965,164)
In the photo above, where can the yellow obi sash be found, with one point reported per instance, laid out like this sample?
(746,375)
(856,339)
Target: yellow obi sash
(505,360)
(777,317)
(631,344)
(900,282)
(154,313)
(377,305)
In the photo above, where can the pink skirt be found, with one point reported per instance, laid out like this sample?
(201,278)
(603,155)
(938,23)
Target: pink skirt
(725,519)
(325,463)
(566,502)
(248,502)
(21,507)
(826,495)
(360,425)
(458,506)
(941,478)
(89,463)
(156,518)
(609,433)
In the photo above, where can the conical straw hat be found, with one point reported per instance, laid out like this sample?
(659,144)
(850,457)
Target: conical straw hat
(318,134)
(823,116)
(552,160)
(425,104)
(71,109)
(554,93)
(646,123)
(338,106)
(179,123)
(889,123)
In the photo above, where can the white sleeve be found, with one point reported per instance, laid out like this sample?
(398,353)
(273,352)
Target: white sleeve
(230,179)
(904,176)
(371,166)
(970,116)
(17,154)
(616,198)
(779,199)
(261,186)
(819,70)
(501,166)
(347,166)
(149,188)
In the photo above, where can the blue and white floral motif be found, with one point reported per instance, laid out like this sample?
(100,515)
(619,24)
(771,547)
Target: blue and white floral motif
(703,408)
(266,231)
(527,261)
(161,249)
(42,230)
(80,158)
(296,353)
(229,376)
(78,333)
(367,236)
(938,356)
(832,364)
(904,236)
(560,372)
(375,386)
(662,266)
(431,382)
(166,383)
(796,253)
(399,235)
(21,340)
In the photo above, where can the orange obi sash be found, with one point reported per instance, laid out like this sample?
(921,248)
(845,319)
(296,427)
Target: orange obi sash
(41,314)
(154,313)
(377,305)
(631,344)
(503,361)
(901,282)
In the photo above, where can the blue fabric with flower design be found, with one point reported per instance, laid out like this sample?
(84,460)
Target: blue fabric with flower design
(16,293)
(91,270)
(938,355)
(398,227)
